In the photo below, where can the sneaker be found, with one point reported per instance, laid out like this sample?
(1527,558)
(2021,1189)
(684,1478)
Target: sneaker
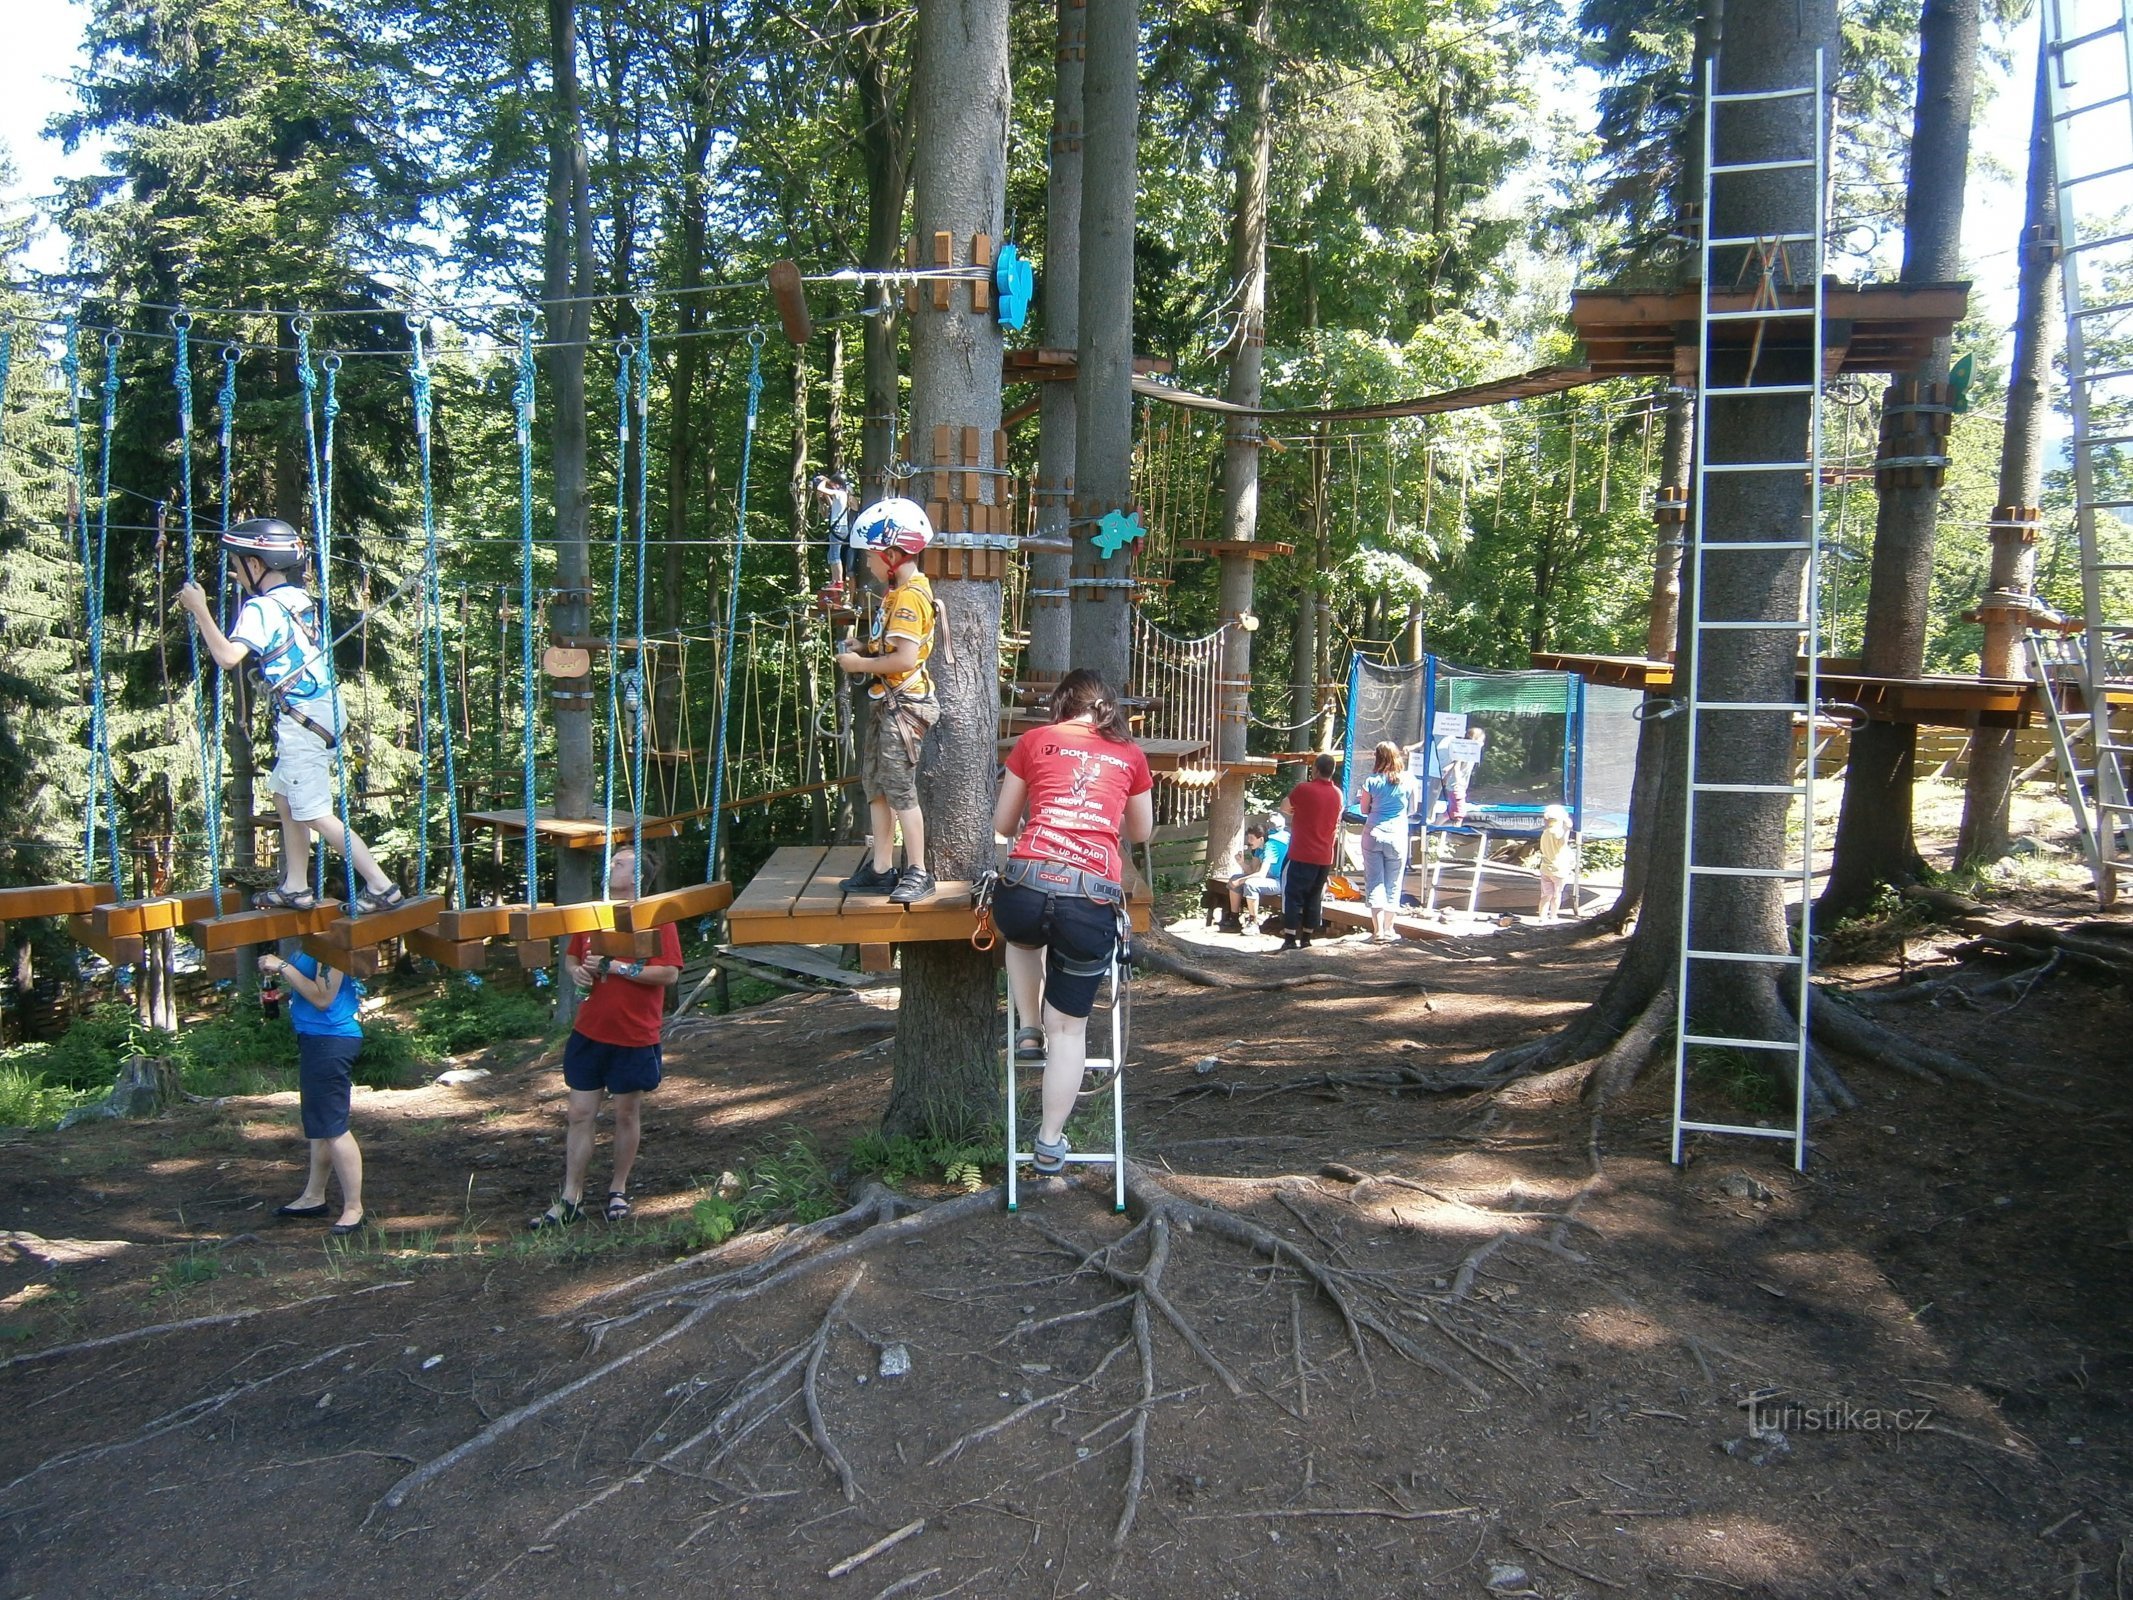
(1230,925)
(912,885)
(1048,1160)
(865,880)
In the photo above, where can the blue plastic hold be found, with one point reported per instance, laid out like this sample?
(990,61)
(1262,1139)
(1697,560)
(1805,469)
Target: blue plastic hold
(473,979)
(541,978)
(1014,286)
(1117,529)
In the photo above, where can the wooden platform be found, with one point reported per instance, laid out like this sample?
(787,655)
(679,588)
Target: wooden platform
(795,900)
(1945,702)
(577,833)
(1164,755)
(1872,327)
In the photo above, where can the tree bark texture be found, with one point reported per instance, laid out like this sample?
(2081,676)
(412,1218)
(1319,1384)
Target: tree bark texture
(885,149)
(1874,837)
(1251,151)
(1103,385)
(946,1057)
(1989,785)
(1051,617)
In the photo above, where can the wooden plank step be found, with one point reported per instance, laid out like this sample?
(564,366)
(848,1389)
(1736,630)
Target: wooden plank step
(52,899)
(375,927)
(778,882)
(240,928)
(167,911)
(813,963)
(576,833)
(360,962)
(475,922)
(460,955)
(823,893)
(121,950)
(676,905)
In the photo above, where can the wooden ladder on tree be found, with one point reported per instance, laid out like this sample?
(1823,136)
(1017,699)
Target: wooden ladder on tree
(2090,86)
(1712,852)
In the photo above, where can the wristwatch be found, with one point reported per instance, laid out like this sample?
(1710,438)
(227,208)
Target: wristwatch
(604,966)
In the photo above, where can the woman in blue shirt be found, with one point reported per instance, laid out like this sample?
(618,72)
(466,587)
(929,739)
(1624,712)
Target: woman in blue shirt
(1386,800)
(322,1009)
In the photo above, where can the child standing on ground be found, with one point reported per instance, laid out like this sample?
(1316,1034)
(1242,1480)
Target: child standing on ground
(1386,799)
(900,700)
(322,1010)
(277,629)
(1558,860)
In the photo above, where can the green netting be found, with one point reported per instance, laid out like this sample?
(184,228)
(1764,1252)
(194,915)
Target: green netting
(1519,693)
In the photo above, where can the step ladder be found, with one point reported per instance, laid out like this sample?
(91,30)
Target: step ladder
(1115,1009)
(2089,44)
(1713,853)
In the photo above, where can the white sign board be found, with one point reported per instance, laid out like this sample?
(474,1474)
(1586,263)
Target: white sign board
(1467,750)
(1448,724)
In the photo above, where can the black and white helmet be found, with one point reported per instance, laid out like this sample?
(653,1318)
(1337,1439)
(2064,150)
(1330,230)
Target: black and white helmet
(268,540)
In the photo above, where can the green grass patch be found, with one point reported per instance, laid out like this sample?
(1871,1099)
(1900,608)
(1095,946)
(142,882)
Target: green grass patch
(465,1016)
(27,1101)
(188,1271)
(1740,1077)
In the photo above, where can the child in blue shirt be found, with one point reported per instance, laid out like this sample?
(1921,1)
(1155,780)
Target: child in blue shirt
(1265,852)
(322,1009)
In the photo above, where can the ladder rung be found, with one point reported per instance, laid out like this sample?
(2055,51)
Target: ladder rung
(1739,1128)
(2103,441)
(1774,314)
(2113,805)
(1725,169)
(2064,46)
(2109,374)
(1749,788)
(1728,1041)
(2110,310)
(1754,544)
(1022,1157)
(2109,505)
(1742,96)
(2084,109)
(1735,390)
(2071,179)
(2112,566)
(2100,244)
(1757,466)
(1786,873)
(1742,955)
(1734,241)
(1797,707)
(1791,625)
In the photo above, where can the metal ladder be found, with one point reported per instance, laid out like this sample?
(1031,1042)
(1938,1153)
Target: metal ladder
(2090,89)
(1698,946)
(1120,989)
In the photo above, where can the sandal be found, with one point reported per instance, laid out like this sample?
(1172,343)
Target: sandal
(560,1215)
(618,1205)
(1029,1044)
(370,900)
(1048,1160)
(280,899)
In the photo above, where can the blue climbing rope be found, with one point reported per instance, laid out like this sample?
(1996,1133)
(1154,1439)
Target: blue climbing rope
(7,362)
(321,463)
(181,378)
(638,700)
(733,602)
(226,409)
(433,638)
(623,354)
(103,788)
(522,400)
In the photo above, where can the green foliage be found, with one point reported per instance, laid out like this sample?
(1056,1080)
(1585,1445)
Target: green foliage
(188,1271)
(466,1016)
(785,1179)
(87,1055)
(27,1100)
(711,1221)
(924,1158)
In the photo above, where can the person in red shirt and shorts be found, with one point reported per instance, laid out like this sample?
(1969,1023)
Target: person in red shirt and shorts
(1083,783)
(1314,812)
(613,1049)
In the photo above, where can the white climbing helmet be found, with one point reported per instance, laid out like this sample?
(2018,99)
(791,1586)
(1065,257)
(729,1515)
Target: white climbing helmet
(893,524)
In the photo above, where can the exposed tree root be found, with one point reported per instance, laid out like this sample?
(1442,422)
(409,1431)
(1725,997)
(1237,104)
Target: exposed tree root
(1837,1025)
(1156,954)
(156,1330)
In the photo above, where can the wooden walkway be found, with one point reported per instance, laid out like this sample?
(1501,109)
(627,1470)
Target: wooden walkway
(795,899)
(1945,702)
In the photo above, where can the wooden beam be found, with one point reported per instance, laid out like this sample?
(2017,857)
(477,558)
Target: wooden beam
(373,928)
(461,955)
(534,954)
(674,905)
(121,950)
(167,911)
(361,962)
(549,922)
(877,958)
(52,899)
(475,922)
(241,928)
(623,945)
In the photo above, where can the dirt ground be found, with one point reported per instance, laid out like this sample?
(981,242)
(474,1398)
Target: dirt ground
(1933,1323)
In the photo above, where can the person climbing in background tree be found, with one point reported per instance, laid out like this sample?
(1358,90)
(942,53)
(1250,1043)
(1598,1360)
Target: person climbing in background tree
(1313,808)
(322,1009)
(277,626)
(613,1049)
(833,497)
(1084,784)
(1387,800)
(892,533)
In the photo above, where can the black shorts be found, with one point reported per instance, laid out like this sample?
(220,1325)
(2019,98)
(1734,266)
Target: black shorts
(1079,937)
(590,1066)
(325,1071)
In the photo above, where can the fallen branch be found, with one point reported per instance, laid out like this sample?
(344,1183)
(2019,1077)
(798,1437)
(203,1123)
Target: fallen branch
(853,1563)
(1153,953)
(224,1319)
(817,1429)
(1387,1513)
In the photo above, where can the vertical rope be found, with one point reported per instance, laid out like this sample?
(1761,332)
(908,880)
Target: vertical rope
(7,362)
(321,462)
(210,779)
(433,634)
(623,353)
(102,787)
(522,402)
(640,680)
(226,408)
(733,600)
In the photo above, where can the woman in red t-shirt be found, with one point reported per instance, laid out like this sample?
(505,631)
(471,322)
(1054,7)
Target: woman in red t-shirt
(1083,783)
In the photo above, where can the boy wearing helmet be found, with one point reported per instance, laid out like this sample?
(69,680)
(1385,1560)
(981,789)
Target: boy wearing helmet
(892,533)
(277,627)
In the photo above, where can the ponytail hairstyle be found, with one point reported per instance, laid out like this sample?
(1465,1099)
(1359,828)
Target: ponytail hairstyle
(1389,757)
(1084,693)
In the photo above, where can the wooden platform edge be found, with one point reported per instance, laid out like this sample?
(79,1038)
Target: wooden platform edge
(460,955)
(673,905)
(23,901)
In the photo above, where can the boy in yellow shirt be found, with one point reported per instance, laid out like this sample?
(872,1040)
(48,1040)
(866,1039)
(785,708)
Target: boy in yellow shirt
(892,533)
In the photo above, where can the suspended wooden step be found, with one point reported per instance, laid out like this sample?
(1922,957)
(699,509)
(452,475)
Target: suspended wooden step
(580,833)
(326,932)
(1250,549)
(52,899)
(796,899)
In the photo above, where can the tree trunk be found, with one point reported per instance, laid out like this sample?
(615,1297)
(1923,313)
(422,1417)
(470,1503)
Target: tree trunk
(1989,785)
(1051,617)
(567,279)
(1103,387)
(1251,149)
(1874,838)
(885,149)
(799,522)
(946,1058)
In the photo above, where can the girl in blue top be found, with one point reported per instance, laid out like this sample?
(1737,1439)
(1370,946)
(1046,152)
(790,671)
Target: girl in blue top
(1387,799)
(322,1009)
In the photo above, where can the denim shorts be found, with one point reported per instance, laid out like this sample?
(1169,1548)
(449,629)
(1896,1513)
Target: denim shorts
(325,1065)
(1384,873)
(1079,937)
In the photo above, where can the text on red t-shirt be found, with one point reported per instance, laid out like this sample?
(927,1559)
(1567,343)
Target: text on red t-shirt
(1079,783)
(619,1011)
(1314,819)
